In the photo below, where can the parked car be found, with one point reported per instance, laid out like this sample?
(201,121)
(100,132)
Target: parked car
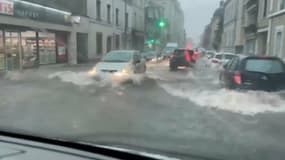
(211,54)
(169,49)
(221,58)
(120,62)
(150,55)
(181,57)
(254,73)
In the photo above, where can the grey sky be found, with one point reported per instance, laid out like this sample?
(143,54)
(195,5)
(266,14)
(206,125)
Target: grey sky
(198,13)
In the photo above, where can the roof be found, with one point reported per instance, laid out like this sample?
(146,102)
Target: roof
(224,53)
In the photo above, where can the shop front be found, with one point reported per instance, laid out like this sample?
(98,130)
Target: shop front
(26,47)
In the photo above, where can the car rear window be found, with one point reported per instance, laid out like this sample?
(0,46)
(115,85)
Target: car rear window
(211,54)
(229,57)
(219,56)
(270,66)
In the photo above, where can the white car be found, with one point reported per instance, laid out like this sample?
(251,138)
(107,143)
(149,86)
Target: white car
(120,63)
(221,59)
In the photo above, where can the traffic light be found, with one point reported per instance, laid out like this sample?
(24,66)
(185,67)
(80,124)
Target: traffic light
(162,23)
(151,41)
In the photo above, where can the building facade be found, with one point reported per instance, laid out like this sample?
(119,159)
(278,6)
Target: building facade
(40,32)
(262,27)
(250,15)
(172,12)
(34,34)
(233,34)
(276,46)
(216,28)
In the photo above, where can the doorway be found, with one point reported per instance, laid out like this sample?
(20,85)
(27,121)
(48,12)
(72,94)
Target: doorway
(82,47)
(13,50)
(109,44)
(2,52)
(99,43)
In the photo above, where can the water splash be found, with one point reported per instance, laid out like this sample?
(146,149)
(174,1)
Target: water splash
(247,103)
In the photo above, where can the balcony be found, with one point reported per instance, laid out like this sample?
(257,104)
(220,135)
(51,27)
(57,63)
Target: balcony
(250,16)
(251,5)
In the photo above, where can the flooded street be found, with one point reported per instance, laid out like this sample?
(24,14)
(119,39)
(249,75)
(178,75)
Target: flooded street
(186,111)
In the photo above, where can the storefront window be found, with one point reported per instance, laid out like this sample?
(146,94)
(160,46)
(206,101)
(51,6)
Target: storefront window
(12,50)
(2,53)
(47,48)
(29,49)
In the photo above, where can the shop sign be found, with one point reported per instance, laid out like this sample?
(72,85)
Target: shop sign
(6,7)
(28,10)
(40,13)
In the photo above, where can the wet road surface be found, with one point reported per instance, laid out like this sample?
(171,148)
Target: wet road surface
(184,112)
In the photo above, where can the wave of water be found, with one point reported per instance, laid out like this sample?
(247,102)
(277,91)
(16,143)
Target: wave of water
(248,103)
(83,79)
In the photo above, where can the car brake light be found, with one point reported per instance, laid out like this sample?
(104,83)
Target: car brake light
(237,78)
(215,61)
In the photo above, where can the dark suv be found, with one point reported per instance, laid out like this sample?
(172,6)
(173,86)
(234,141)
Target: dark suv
(181,58)
(254,73)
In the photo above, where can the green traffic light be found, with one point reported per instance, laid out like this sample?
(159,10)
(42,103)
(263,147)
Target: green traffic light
(162,24)
(151,41)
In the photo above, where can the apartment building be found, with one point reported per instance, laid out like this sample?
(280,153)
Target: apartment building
(262,27)
(276,28)
(249,19)
(233,34)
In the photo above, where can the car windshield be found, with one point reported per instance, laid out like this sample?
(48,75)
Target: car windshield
(119,56)
(265,66)
(117,73)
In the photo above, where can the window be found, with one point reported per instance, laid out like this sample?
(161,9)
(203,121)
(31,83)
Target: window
(229,56)
(127,20)
(270,66)
(118,56)
(99,45)
(234,64)
(271,4)
(265,8)
(117,16)
(109,13)
(98,9)
(279,36)
(117,41)
(2,57)
(109,43)
(281,4)
(220,56)
(135,20)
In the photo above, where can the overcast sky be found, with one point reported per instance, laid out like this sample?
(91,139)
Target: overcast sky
(198,14)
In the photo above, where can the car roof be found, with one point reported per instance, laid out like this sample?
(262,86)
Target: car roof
(125,51)
(183,49)
(220,53)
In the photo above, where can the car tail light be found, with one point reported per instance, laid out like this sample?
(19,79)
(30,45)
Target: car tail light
(237,78)
(215,61)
